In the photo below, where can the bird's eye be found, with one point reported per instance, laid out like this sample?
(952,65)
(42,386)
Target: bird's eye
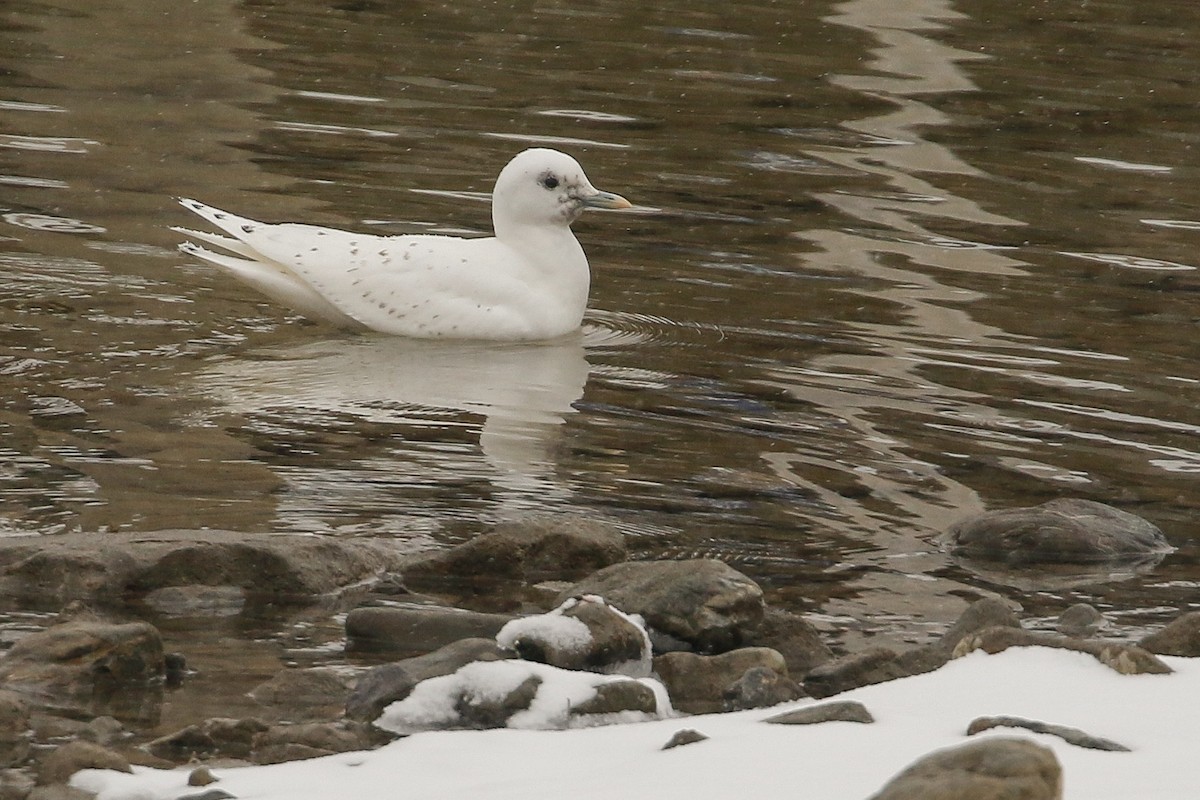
(550,182)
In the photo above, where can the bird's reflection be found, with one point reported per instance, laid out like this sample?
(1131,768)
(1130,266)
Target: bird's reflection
(522,392)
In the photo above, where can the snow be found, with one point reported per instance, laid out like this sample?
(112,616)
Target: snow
(562,633)
(1158,716)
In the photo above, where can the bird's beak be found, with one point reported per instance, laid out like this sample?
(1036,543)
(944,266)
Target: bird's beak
(605,200)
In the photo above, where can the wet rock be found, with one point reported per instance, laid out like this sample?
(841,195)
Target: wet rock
(584,633)
(992,769)
(1180,638)
(989,612)
(303,695)
(759,687)
(54,570)
(874,665)
(62,762)
(306,740)
(795,639)
(14,729)
(1069,735)
(618,697)
(388,683)
(1080,621)
(684,736)
(15,784)
(90,667)
(530,549)
(839,711)
(197,601)
(697,683)
(1124,658)
(1061,531)
(232,738)
(416,629)
(703,603)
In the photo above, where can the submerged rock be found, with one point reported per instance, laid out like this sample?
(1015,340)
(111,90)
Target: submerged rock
(701,604)
(1060,531)
(992,769)
(302,695)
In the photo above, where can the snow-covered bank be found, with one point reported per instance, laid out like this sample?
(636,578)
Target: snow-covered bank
(1156,716)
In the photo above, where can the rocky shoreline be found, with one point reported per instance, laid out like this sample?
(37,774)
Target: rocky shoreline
(644,637)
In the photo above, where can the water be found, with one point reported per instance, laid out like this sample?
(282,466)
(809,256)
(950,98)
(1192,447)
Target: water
(893,264)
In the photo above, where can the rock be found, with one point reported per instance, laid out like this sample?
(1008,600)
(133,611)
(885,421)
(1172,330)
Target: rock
(62,762)
(1124,658)
(289,751)
(584,633)
(416,629)
(989,612)
(213,737)
(684,736)
(303,695)
(15,784)
(839,711)
(197,601)
(201,776)
(874,665)
(697,683)
(992,769)
(794,638)
(209,794)
(388,683)
(50,571)
(1060,531)
(14,729)
(759,687)
(89,667)
(617,697)
(58,791)
(534,548)
(325,737)
(1180,638)
(704,603)
(485,710)
(1069,735)
(103,730)
(1080,621)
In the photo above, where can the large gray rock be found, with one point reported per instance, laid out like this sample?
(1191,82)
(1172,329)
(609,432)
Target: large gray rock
(703,603)
(697,684)
(1180,638)
(384,685)
(992,769)
(88,666)
(415,629)
(1126,659)
(584,633)
(534,548)
(50,571)
(1060,531)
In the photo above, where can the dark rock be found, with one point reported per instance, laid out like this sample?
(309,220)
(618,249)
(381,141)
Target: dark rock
(684,736)
(839,711)
(209,794)
(537,547)
(759,687)
(1180,638)
(584,633)
(213,737)
(697,683)
(1062,531)
(703,603)
(89,667)
(303,695)
(617,697)
(1069,735)
(388,683)
(14,729)
(992,769)
(1124,658)
(875,665)
(416,629)
(795,639)
(476,710)
(1080,621)
(61,763)
(53,570)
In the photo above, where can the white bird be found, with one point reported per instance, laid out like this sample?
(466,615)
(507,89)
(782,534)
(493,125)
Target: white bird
(528,282)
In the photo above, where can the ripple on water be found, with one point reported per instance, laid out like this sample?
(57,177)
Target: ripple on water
(617,329)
